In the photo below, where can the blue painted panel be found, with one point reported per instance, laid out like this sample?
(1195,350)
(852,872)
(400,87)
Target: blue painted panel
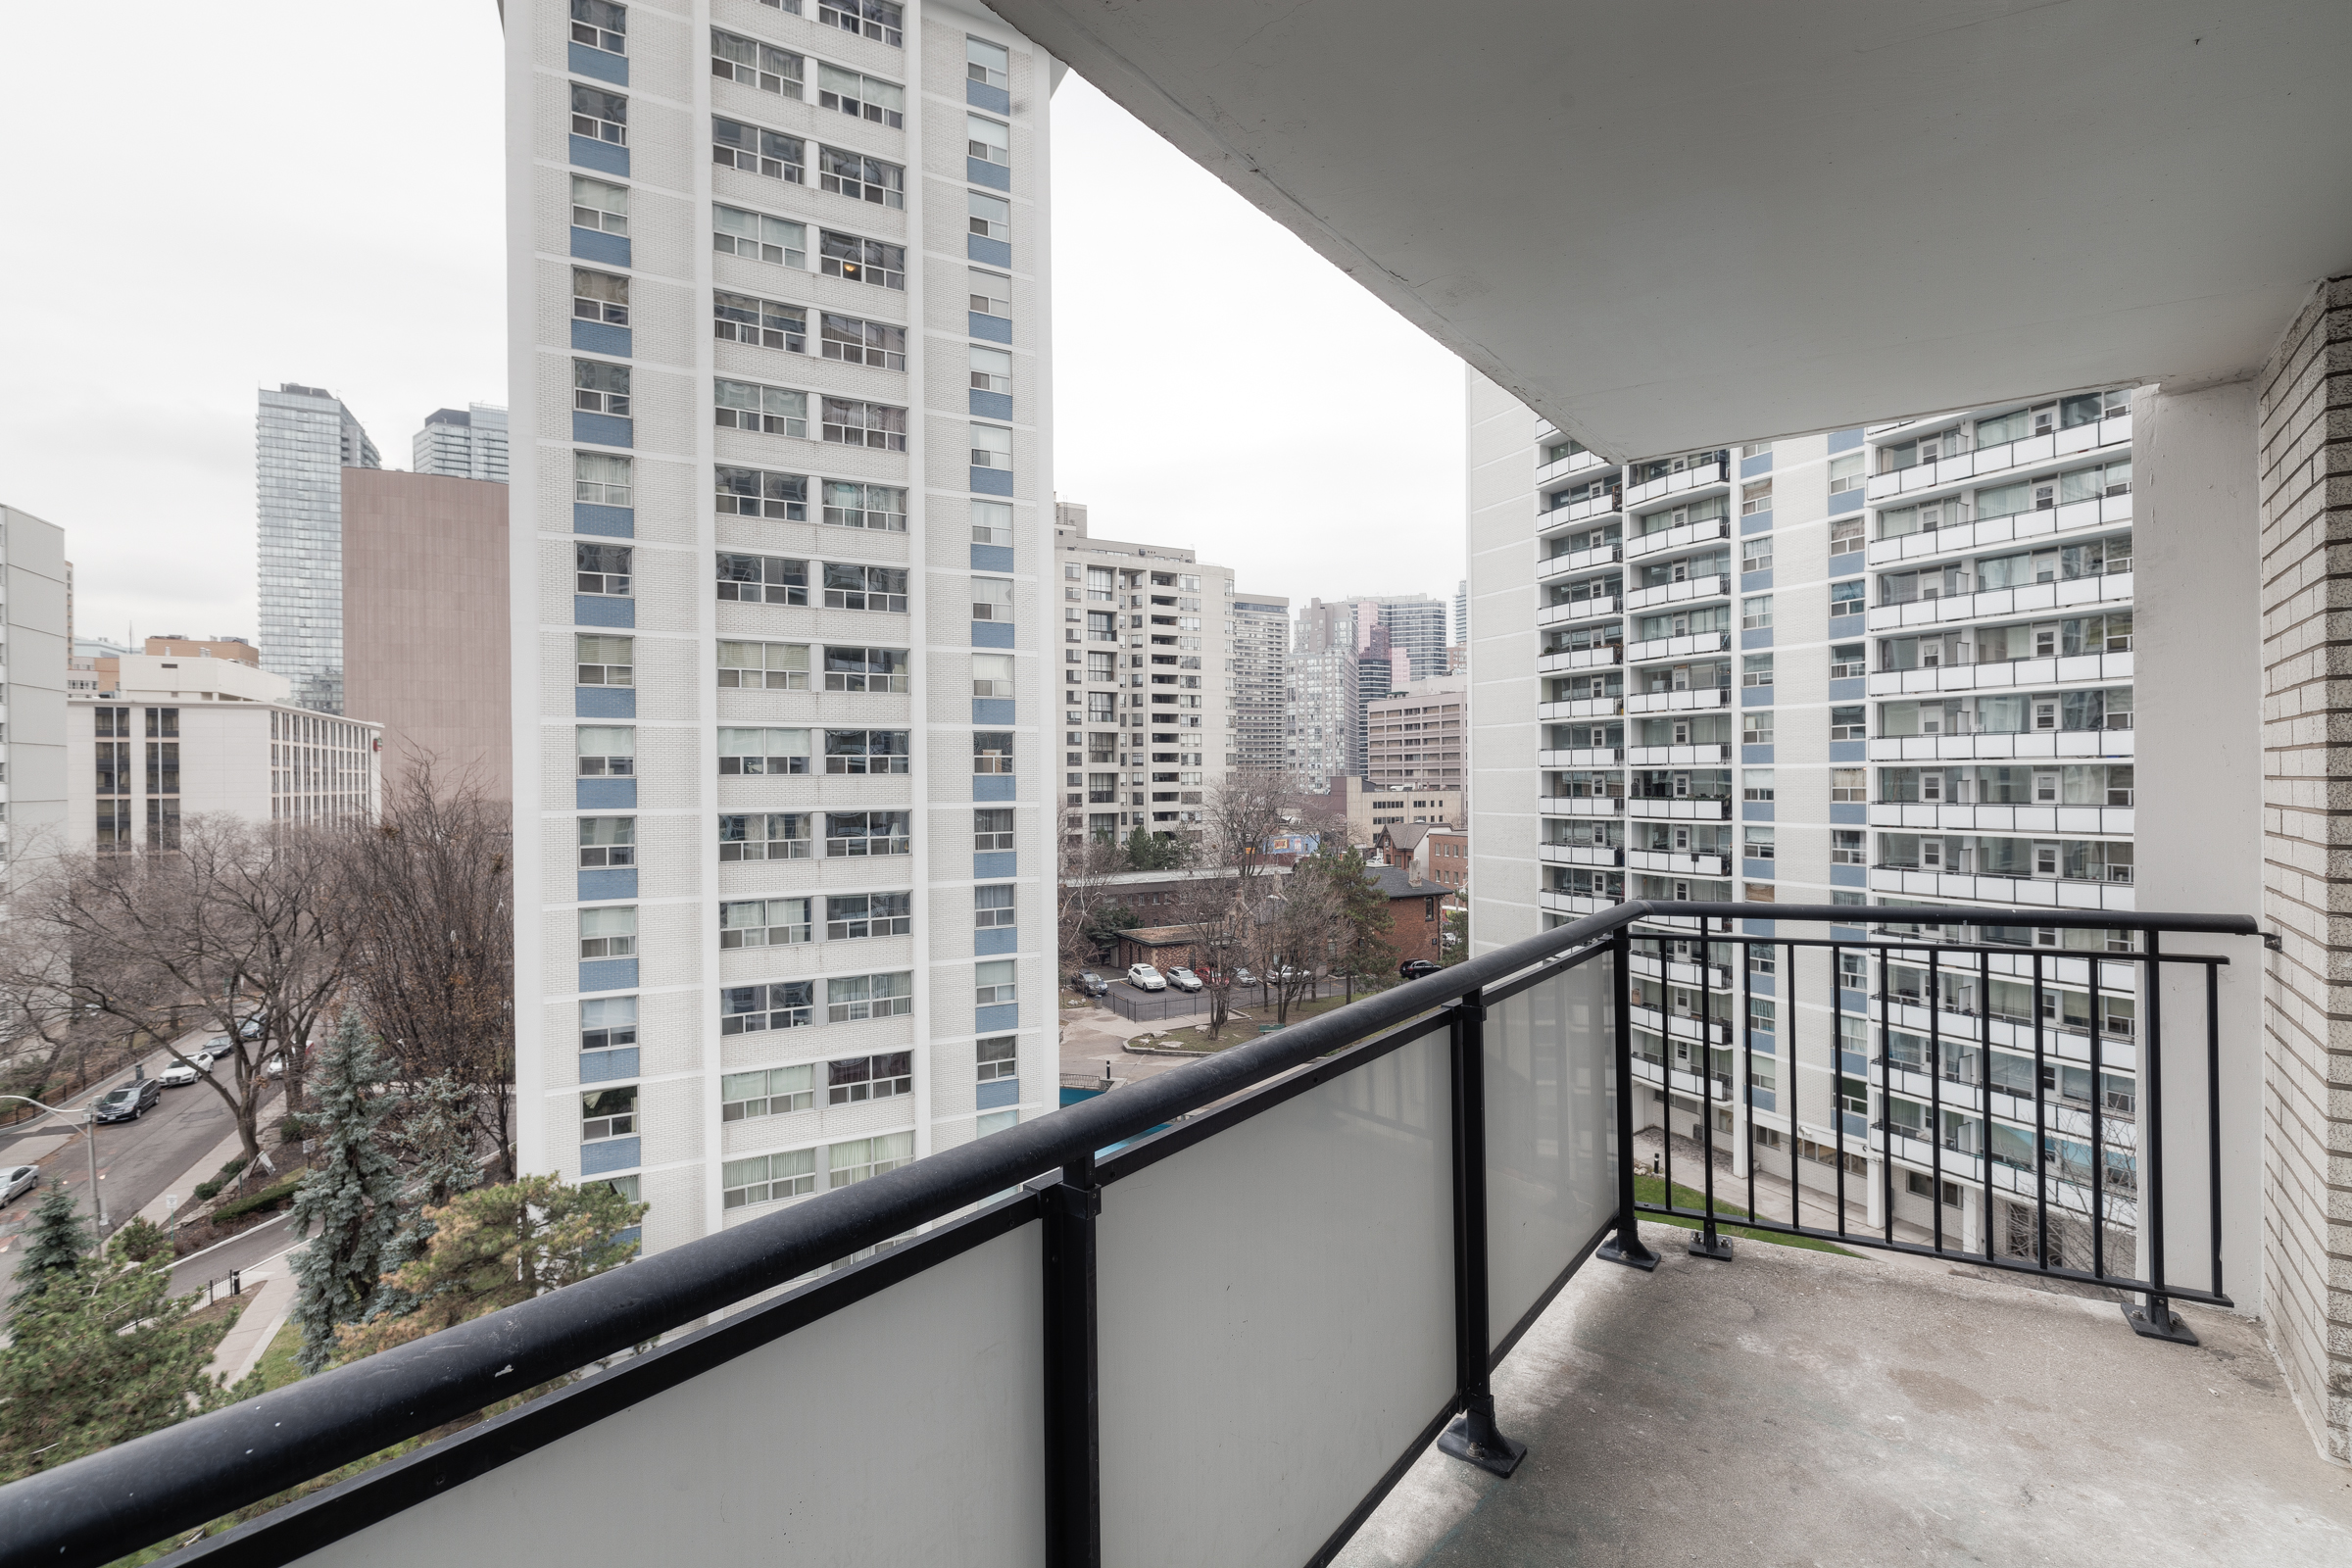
(1856,1065)
(994,329)
(610,522)
(1849,813)
(993,787)
(993,710)
(1750,468)
(1755,810)
(1849,876)
(1848,564)
(997,1017)
(1756,637)
(996,939)
(602,1066)
(1756,582)
(990,865)
(1756,756)
(1845,440)
(601,155)
(603,609)
(1755,696)
(1856,1005)
(990,404)
(1845,627)
(1757,522)
(992,558)
(602,429)
(1761,1098)
(1845,501)
(997,1091)
(597,62)
(607,794)
(605,702)
(980,95)
(611,1153)
(599,337)
(1847,688)
(991,634)
(988,252)
(1846,933)
(629,1236)
(1849,751)
(594,245)
(1761,870)
(1763,985)
(607,974)
(992,481)
(980,171)
(607,882)
(1757,928)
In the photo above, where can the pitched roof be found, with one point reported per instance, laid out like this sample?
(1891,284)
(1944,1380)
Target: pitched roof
(1407,836)
(1393,880)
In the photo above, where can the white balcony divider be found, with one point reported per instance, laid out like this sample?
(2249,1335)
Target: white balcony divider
(1552,1136)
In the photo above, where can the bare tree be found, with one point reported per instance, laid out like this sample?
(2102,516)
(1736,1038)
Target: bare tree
(1086,895)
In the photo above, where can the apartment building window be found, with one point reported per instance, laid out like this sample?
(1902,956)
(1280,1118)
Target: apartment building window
(850,998)
(763,753)
(1755,784)
(850,422)
(605,661)
(1848,785)
(755,237)
(1845,660)
(859,177)
(608,1114)
(757,150)
(992,751)
(989,63)
(879,20)
(603,480)
(852,917)
(763,666)
(866,835)
(991,524)
(1755,555)
(856,1079)
(1846,473)
(609,933)
(991,370)
(163,816)
(992,906)
(1848,724)
(880,508)
(1754,498)
(997,1057)
(866,751)
(1846,598)
(1845,848)
(991,216)
(866,670)
(861,261)
(762,580)
(1756,669)
(854,341)
(992,599)
(762,324)
(992,674)
(779,1005)
(992,446)
(992,293)
(768,1178)
(607,1022)
(601,24)
(989,140)
(860,97)
(599,205)
(1846,533)
(1755,449)
(607,842)
(1755,614)
(765,923)
(1101,707)
(603,570)
(1101,666)
(600,114)
(1758,844)
(1755,729)
(605,752)
(992,983)
(992,829)
(600,297)
(877,588)
(753,64)
(762,493)
(769,410)
(765,836)
(599,386)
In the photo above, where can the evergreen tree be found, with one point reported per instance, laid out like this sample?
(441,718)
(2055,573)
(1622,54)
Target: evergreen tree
(348,1206)
(57,1242)
(435,1140)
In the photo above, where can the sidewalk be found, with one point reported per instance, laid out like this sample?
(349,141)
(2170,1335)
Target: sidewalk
(268,1298)
(1820,1204)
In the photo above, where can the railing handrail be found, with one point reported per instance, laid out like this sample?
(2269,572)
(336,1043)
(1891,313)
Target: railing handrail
(96,1508)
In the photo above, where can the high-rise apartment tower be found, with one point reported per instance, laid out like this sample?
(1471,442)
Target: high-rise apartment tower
(468,443)
(304,438)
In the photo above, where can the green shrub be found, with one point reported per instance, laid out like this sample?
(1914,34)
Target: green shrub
(138,1241)
(274,1196)
(230,1171)
(206,1191)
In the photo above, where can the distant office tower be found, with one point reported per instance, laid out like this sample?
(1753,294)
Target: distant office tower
(468,443)
(1461,614)
(304,440)
(1416,735)
(425,624)
(32,742)
(1414,622)
(1324,722)
(1258,633)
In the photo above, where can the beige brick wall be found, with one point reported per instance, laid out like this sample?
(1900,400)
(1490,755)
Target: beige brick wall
(2306,516)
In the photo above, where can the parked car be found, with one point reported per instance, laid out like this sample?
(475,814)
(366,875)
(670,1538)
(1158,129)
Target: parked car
(1184,979)
(131,1102)
(1143,977)
(1087,983)
(180,1074)
(1242,975)
(1415,968)
(277,1066)
(18,1180)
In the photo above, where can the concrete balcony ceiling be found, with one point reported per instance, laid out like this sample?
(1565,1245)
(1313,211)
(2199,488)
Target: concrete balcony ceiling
(1672,225)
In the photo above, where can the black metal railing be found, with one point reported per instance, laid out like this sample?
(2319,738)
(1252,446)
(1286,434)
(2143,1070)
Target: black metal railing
(1052,1173)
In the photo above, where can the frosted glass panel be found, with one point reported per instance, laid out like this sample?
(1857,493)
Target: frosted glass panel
(1551,1140)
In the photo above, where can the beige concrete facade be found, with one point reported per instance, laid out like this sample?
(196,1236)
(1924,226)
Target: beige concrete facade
(1420,737)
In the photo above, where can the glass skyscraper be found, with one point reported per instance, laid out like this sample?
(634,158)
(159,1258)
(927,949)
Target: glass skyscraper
(304,438)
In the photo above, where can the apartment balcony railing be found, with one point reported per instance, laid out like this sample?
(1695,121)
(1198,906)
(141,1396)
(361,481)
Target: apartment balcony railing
(1695,477)
(1318,1244)
(1942,817)
(1581,804)
(1573,463)
(1582,757)
(2005,746)
(2107,892)
(1569,562)
(1686,646)
(2004,674)
(1678,862)
(1713,754)
(1680,809)
(1985,462)
(1676,536)
(1691,699)
(1582,707)
(2090,513)
(1712,586)
(1593,608)
(1580,854)
(2001,604)
(1568,659)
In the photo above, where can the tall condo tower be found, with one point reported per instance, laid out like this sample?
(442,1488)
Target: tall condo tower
(304,438)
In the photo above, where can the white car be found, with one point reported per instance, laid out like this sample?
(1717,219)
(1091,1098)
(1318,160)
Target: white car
(1184,979)
(18,1179)
(1143,977)
(180,1074)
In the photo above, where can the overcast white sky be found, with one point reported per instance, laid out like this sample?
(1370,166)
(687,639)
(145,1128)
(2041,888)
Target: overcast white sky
(302,192)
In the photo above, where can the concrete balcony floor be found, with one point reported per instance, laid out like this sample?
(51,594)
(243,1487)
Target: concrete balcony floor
(1797,1407)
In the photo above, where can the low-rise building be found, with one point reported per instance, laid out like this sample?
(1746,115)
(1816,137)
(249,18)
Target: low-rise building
(1418,736)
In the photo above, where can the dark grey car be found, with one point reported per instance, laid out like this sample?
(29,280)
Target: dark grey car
(131,1102)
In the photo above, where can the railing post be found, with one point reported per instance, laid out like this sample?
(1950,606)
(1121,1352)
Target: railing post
(1626,1246)
(1472,1436)
(1073,1461)
(2155,1319)
(1706,1243)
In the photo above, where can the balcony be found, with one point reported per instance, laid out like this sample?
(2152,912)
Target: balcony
(1678,756)
(1601,505)
(1667,809)
(1582,757)
(1678,537)
(2024,892)
(1987,462)
(1581,804)
(1691,646)
(1694,480)
(1581,659)
(2006,675)
(1574,463)
(2079,745)
(1580,854)
(1691,699)
(1681,1025)
(1346,1230)
(1573,902)
(1593,608)
(1569,562)
(2001,604)
(2075,518)
(2038,819)
(1677,862)
(1715,586)
(1582,707)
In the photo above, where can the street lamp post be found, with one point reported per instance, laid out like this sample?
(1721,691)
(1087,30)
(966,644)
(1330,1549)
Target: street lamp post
(90,1127)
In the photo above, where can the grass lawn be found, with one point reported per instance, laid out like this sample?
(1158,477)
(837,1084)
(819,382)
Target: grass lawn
(1652,1190)
(276,1367)
(1242,1026)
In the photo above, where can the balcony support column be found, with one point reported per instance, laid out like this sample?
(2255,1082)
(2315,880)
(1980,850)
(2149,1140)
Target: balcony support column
(1073,1436)
(1626,1246)
(1472,1436)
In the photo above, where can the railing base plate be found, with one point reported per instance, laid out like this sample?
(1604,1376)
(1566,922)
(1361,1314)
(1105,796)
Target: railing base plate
(1613,1251)
(2148,1328)
(1718,1248)
(1500,1461)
